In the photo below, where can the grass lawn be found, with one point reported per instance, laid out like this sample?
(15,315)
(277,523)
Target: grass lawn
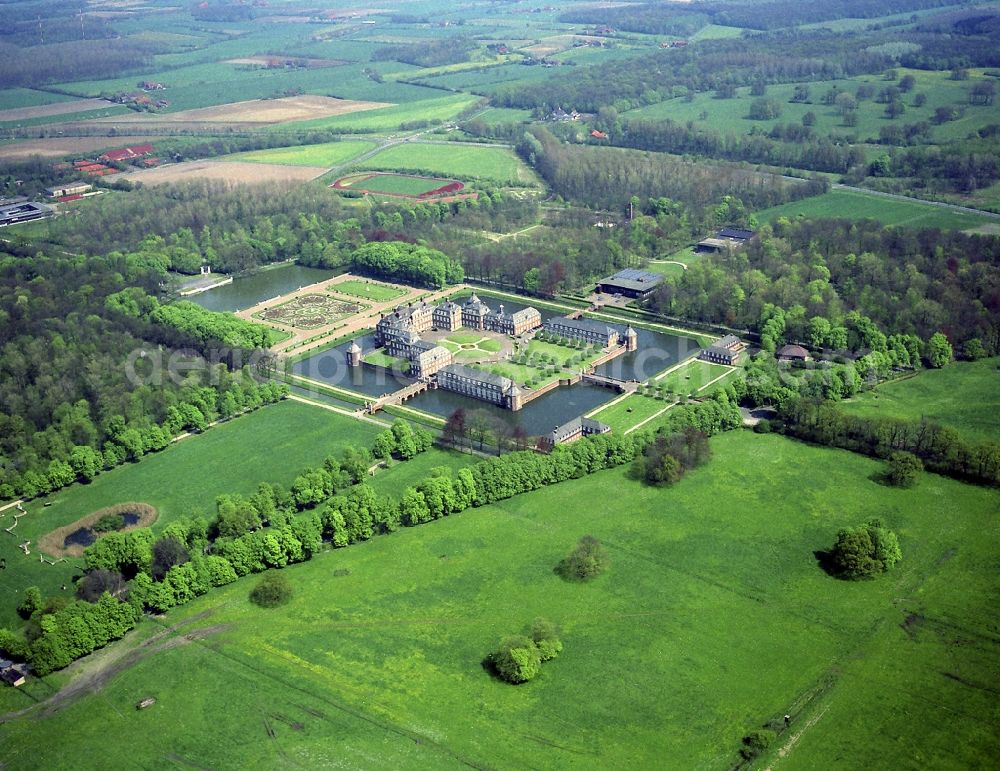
(326,154)
(466,345)
(368,290)
(854,205)
(693,377)
(497,164)
(400,475)
(713,619)
(382,359)
(964,396)
(273,444)
(630,412)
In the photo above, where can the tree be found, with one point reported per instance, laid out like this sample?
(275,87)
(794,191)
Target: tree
(809,119)
(167,552)
(587,561)
(903,469)
(974,349)
(938,351)
(271,591)
(454,428)
(545,635)
(31,603)
(516,659)
(406,445)
(756,742)
(865,552)
(384,445)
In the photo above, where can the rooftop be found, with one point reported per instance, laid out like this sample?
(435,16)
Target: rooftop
(630,278)
(740,234)
(478,374)
(589,325)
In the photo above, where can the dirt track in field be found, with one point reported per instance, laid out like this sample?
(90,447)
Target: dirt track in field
(255,112)
(228,171)
(48,110)
(92,673)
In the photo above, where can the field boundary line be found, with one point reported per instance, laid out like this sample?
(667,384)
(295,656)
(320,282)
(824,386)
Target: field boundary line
(338,410)
(601,407)
(729,371)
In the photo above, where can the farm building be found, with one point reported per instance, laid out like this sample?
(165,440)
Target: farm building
(23,212)
(593,332)
(481,385)
(571,431)
(725,239)
(792,353)
(12,673)
(630,283)
(70,188)
(127,153)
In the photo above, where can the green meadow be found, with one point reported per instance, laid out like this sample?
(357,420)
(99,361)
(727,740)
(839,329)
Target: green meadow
(713,619)
(963,395)
(273,444)
(496,164)
(630,412)
(856,205)
(326,154)
(367,290)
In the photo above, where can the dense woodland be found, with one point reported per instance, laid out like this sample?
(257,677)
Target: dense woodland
(86,386)
(905,281)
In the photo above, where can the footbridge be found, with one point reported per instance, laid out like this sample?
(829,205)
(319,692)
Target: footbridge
(396,397)
(622,386)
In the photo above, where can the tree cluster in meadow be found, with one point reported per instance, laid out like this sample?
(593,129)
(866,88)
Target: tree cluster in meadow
(519,658)
(865,552)
(938,448)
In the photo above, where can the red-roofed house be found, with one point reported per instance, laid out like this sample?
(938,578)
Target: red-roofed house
(127,153)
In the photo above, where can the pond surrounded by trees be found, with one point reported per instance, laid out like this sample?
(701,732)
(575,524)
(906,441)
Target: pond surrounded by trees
(250,289)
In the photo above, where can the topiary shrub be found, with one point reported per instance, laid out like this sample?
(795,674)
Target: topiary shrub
(271,591)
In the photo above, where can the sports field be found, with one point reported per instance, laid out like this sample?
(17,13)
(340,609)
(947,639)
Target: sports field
(326,154)
(406,185)
(855,205)
(964,396)
(273,444)
(497,164)
(713,619)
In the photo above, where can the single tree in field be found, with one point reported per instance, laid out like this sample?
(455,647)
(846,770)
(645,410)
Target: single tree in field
(516,659)
(865,552)
(588,560)
(903,469)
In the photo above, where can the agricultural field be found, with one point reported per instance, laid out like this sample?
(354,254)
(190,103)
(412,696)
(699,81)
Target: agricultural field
(711,621)
(310,311)
(430,109)
(368,290)
(27,113)
(404,185)
(183,478)
(854,204)
(316,156)
(58,147)
(964,396)
(479,162)
(227,171)
(19,98)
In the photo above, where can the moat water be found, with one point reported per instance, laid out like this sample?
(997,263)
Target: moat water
(263,285)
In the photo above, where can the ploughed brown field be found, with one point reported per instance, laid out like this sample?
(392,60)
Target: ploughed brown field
(266,111)
(229,171)
(58,108)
